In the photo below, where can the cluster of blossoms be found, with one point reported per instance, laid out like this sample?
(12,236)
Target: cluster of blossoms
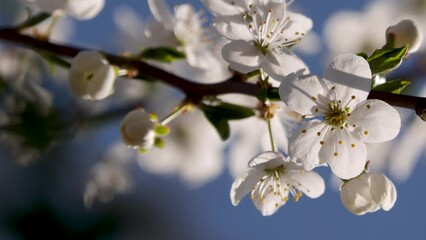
(257,36)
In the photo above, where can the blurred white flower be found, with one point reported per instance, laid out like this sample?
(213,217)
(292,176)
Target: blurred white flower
(348,119)
(91,76)
(403,33)
(138,130)
(185,32)
(110,176)
(271,178)
(193,151)
(368,193)
(224,7)
(78,9)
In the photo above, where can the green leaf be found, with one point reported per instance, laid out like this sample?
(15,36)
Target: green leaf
(31,22)
(219,115)
(162,54)
(395,86)
(55,59)
(384,60)
(162,130)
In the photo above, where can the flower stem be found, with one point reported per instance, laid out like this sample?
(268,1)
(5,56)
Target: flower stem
(177,112)
(271,137)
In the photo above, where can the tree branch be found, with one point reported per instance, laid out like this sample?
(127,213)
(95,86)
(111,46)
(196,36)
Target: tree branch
(194,90)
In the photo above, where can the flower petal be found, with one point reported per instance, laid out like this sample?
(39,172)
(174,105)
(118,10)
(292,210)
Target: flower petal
(224,8)
(305,144)
(308,182)
(282,62)
(356,196)
(233,27)
(266,160)
(351,75)
(242,56)
(266,200)
(161,12)
(244,184)
(345,154)
(83,10)
(376,121)
(303,93)
(299,25)
(382,190)
(391,199)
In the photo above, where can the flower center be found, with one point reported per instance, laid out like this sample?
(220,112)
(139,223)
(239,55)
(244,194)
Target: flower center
(336,116)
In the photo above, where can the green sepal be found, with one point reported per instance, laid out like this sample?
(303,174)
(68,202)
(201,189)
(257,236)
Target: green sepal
(153,117)
(143,151)
(54,60)
(269,93)
(159,143)
(219,115)
(33,21)
(162,130)
(394,86)
(162,54)
(363,55)
(385,60)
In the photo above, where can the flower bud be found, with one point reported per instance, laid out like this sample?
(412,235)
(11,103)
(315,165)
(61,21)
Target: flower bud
(405,32)
(138,130)
(368,193)
(91,76)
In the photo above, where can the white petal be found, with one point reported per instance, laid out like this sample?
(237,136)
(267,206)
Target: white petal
(305,145)
(261,161)
(351,75)
(345,154)
(102,85)
(242,56)
(379,186)
(161,12)
(356,196)
(299,24)
(224,8)
(245,184)
(266,201)
(391,199)
(376,121)
(308,182)
(84,9)
(233,28)
(303,94)
(406,32)
(280,63)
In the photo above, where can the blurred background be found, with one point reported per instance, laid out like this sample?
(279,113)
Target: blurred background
(64,174)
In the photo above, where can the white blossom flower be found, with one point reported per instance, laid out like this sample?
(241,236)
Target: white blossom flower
(193,152)
(367,193)
(347,118)
(110,176)
(78,9)
(405,32)
(260,37)
(270,180)
(138,130)
(91,76)
(184,31)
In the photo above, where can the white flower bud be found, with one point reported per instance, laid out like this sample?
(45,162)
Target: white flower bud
(368,193)
(78,9)
(91,76)
(405,32)
(138,130)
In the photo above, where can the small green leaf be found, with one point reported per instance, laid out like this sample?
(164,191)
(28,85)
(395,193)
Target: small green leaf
(219,115)
(385,60)
(395,86)
(31,22)
(162,54)
(363,54)
(55,59)
(159,143)
(262,94)
(162,130)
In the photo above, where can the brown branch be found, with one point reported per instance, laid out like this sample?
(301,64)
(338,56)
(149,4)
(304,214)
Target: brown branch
(193,90)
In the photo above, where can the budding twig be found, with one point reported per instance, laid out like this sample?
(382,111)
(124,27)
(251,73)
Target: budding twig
(195,91)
